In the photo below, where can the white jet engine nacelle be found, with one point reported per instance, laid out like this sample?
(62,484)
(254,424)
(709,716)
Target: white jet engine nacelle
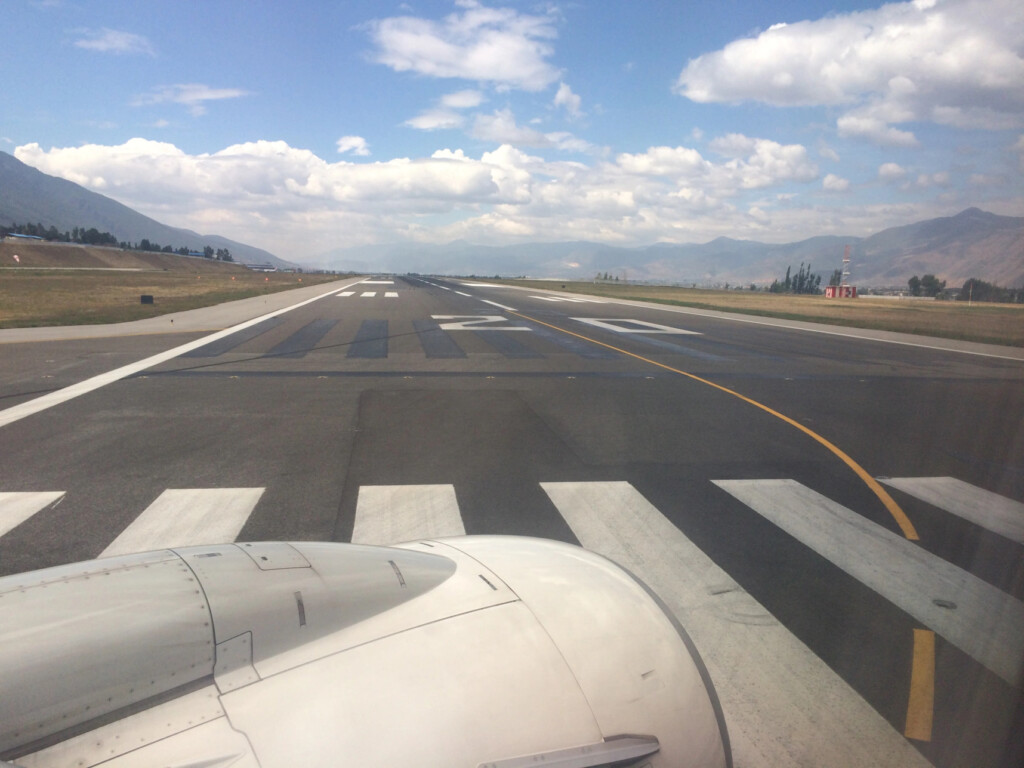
(484,652)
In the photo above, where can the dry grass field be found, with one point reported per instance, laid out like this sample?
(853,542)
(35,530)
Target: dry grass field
(990,323)
(67,285)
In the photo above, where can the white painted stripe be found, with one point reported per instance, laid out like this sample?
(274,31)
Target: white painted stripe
(989,510)
(630,326)
(861,334)
(546,298)
(464,294)
(346,294)
(783,705)
(477,323)
(483,285)
(378,282)
(367,294)
(187,517)
(391,295)
(17,507)
(20,411)
(499,306)
(985,623)
(391,514)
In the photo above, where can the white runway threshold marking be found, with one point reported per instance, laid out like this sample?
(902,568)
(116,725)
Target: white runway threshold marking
(783,705)
(977,618)
(976,505)
(187,517)
(20,411)
(16,508)
(391,514)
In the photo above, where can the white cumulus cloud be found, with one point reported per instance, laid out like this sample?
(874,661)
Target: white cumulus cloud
(500,127)
(192,95)
(436,120)
(500,46)
(566,98)
(833,183)
(355,144)
(462,99)
(956,62)
(445,116)
(297,204)
(891,171)
(114,41)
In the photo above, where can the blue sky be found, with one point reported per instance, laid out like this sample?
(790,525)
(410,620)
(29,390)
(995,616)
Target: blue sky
(311,126)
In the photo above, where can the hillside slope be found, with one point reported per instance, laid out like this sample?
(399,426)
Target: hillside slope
(33,254)
(28,195)
(972,243)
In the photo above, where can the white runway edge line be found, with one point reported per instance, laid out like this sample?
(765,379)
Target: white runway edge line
(783,705)
(187,517)
(989,510)
(982,621)
(20,411)
(17,507)
(391,514)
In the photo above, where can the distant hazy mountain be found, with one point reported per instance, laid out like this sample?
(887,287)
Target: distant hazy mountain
(27,195)
(971,244)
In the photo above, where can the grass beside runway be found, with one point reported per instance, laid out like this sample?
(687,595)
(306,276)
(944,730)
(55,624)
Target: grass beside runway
(986,323)
(52,297)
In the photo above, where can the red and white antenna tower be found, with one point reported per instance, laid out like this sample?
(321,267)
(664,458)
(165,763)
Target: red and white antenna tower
(846,266)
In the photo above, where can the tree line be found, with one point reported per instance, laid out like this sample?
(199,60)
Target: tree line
(978,290)
(804,281)
(92,236)
(973,290)
(929,285)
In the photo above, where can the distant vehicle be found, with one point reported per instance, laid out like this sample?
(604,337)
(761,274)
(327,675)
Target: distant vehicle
(490,651)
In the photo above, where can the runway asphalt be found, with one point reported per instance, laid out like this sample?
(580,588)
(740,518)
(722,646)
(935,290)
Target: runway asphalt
(748,468)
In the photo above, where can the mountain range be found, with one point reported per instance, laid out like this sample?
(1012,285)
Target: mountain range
(973,243)
(30,196)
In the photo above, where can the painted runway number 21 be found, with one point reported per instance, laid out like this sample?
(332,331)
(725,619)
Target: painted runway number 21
(476,323)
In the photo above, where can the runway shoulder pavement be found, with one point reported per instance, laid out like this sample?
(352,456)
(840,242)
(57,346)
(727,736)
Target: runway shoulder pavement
(213,318)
